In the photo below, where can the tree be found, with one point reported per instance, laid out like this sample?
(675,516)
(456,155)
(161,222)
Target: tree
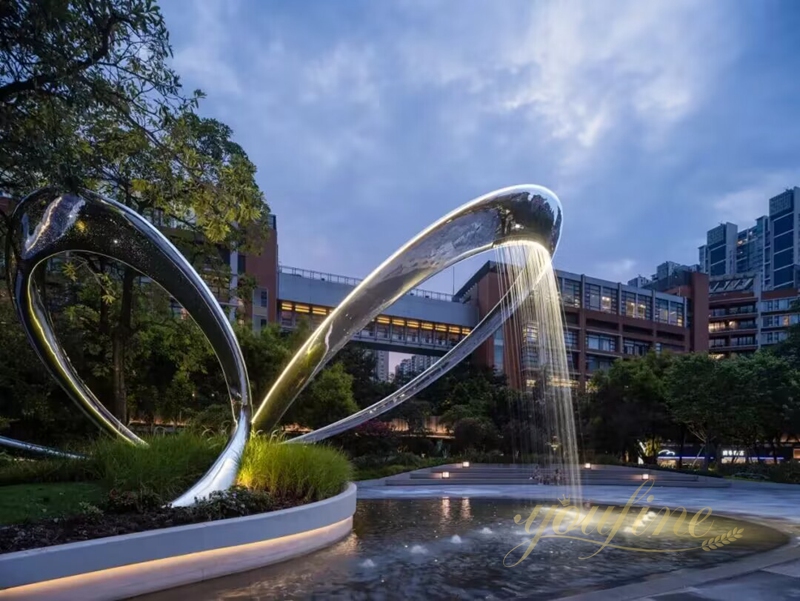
(327,399)
(627,411)
(775,397)
(63,62)
(474,433)
(696,397)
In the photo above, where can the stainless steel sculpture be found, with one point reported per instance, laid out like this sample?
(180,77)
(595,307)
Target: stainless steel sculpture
(48,223)
(515,215)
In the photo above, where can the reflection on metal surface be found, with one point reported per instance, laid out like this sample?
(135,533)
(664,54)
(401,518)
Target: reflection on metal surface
(493,320)
(519,214)
(48,223)
(35,448)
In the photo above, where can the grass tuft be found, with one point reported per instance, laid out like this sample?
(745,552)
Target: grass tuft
(294,471)
(166,468)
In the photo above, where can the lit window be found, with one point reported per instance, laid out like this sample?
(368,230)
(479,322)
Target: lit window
(302,308)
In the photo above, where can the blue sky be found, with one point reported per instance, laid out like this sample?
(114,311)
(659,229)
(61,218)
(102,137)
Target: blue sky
(653,121)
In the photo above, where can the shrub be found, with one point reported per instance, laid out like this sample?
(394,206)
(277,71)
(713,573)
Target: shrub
(235,502)
(371,438)
(294,471)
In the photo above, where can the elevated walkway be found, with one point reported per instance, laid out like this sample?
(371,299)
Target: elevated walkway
(504,474)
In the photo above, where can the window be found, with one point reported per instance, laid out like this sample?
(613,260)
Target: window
(629,304)
(717,254)
(783,277)
(783,259)
(717,342)
(783,242)
(717,326)
(571,339)
(594,364)
(263,323)
(743,340)
(264,298)
(779,304)
(598,342)
(592,297)
(608,300)
(662,310)
(241,263)
(571,293)
(499,347)
(635,347)
(773,337)
(781,226)
(676,313)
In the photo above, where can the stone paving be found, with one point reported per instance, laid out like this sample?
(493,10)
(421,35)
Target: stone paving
(773,576)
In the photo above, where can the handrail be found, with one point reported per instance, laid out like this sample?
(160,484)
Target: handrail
(343,279)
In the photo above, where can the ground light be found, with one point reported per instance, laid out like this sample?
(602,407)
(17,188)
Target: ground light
(465,464)
(445,474)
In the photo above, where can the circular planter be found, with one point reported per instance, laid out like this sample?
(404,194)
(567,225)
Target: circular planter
(119,567)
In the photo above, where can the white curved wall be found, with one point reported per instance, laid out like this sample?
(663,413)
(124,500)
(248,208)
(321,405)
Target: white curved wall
(119,567)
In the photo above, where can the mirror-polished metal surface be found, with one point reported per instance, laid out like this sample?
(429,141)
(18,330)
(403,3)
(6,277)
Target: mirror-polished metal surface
(517,214)
(48,223)
(515,296)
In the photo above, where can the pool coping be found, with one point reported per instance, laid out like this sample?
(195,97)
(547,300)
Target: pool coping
(119,567)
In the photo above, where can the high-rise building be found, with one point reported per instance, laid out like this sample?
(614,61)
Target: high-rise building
(415,364)
(782,241)
(750,248)
(717,257)
(381,365)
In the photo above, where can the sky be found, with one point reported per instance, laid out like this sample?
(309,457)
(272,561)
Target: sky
(368,120)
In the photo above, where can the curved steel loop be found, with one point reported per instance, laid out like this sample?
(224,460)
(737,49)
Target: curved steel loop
(516,295)
(518,214)
(48,223)
(38,449)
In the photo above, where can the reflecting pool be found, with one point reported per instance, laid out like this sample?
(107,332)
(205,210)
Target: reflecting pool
(454,548)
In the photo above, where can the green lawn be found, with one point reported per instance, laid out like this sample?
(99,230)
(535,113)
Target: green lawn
(36,501)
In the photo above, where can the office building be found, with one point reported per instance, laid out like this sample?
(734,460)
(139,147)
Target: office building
(603,321)
(782,241)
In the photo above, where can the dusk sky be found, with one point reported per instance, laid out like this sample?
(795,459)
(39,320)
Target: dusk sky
(368,120)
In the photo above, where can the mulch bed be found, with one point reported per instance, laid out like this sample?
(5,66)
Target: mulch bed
(58,531)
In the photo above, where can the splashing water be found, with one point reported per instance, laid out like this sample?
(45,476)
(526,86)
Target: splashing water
(418,550)
(544,432)
(486,530)
(456,540)
(367,563)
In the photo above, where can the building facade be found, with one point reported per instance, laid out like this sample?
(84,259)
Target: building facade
(782,241)
(603,321)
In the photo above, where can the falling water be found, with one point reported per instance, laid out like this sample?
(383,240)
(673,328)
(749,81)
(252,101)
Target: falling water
(543,410)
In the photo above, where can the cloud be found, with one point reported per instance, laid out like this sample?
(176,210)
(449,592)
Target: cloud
(368,120)
(742,206)
(620,270)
